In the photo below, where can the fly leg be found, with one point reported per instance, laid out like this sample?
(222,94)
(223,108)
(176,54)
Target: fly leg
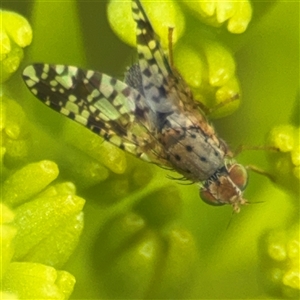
(261,172)
(242,148)
(170,46)
(254,168)
(209,111)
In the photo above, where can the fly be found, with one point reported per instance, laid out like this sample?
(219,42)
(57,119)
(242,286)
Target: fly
(152,115)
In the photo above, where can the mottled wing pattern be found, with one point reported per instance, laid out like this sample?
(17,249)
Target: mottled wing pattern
(164,88)
(154,66)
(99,102)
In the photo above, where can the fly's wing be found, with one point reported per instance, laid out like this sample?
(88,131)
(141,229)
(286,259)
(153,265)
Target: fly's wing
(164,89)
(99,102)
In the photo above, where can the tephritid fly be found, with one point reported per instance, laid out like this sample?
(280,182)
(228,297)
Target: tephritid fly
(151,115)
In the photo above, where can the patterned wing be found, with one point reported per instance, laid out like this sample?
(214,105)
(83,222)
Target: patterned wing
(164,89)
(99,102)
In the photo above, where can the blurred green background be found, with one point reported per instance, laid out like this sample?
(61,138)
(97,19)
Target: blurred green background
(146,236)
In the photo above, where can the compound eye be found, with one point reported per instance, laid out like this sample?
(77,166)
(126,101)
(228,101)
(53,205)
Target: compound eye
(239,176)
(208,198)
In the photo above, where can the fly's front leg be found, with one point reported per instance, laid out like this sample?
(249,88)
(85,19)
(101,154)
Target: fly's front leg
(254,168)
(242,148)
(261,172)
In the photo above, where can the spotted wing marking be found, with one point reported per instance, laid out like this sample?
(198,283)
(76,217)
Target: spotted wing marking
(101,103)
(154,66)
(148,44)
(164,88)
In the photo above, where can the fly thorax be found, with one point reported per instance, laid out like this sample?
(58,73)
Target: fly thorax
(191,152)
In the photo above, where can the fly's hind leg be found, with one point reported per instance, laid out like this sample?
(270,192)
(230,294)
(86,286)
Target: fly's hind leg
(170,46)
(208,111)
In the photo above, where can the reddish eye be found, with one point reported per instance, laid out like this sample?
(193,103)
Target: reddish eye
(208,198)
(238,174)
